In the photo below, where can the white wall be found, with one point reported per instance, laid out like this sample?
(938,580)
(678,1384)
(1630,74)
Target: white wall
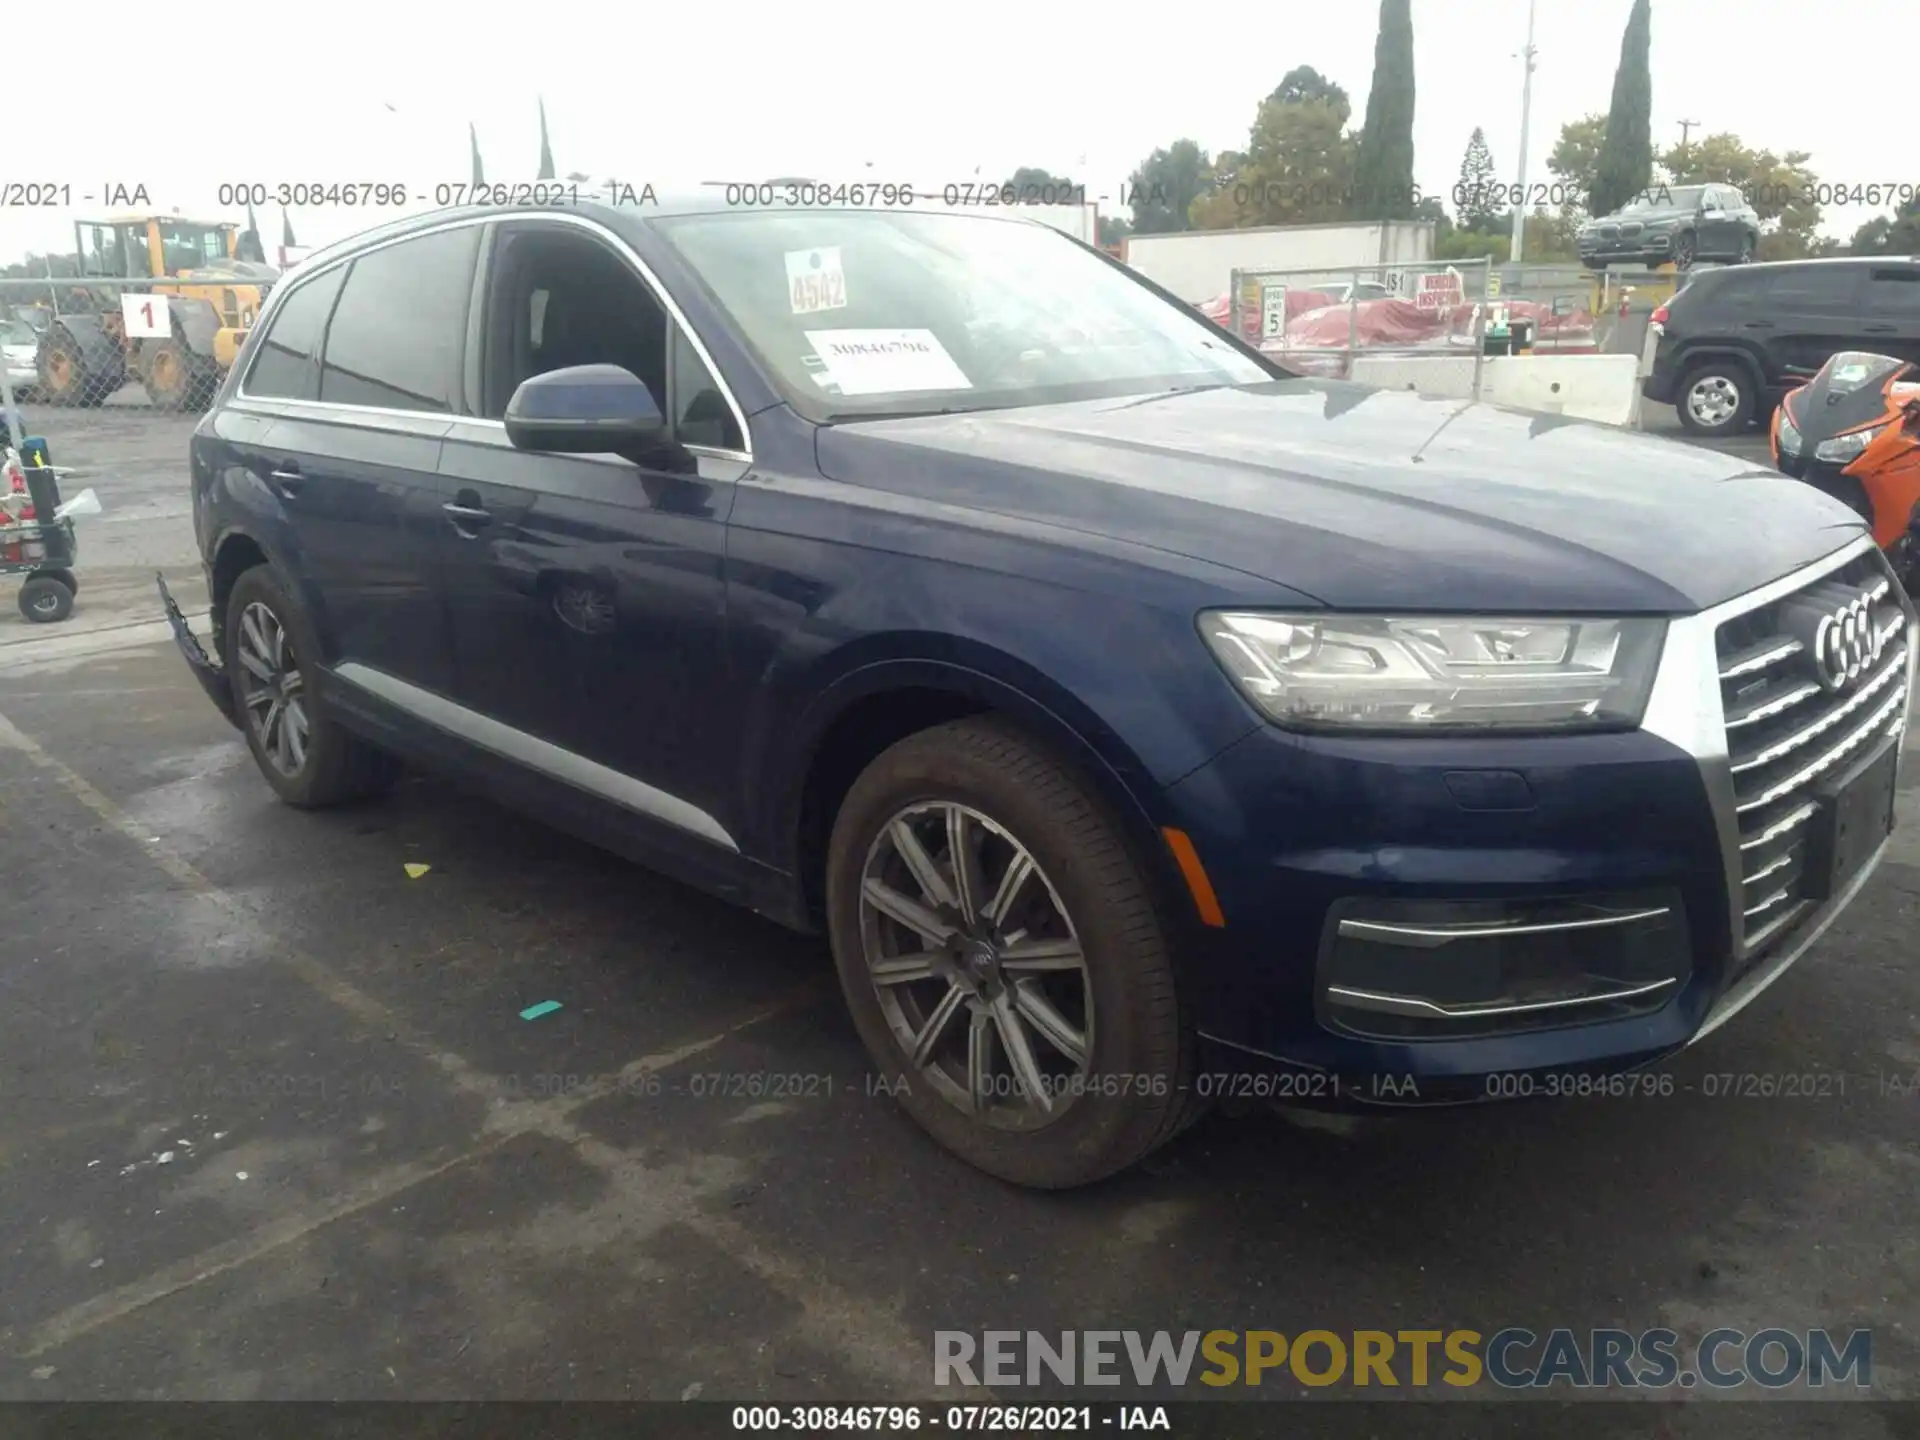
(1585,387)
(1198,265)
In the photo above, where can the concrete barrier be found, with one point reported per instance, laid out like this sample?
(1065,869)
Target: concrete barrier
(1585,387)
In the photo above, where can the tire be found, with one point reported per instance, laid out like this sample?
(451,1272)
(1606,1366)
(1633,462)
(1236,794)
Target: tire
(309,759)
(1685,250)
(1596,266)
(1129,1091)
(65,379)
(65,577)
(1745,255)
(175,378)
(1716,399)
(44,600)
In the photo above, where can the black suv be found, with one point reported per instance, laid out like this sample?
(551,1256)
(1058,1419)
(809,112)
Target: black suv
(1674,225)
(1140,722)
(1732,342)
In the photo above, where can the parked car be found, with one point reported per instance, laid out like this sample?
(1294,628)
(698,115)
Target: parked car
(1139,722)
(1732,342)
(1674,225)
(18,347)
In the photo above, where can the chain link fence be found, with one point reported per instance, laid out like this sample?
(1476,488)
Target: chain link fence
(1423,326)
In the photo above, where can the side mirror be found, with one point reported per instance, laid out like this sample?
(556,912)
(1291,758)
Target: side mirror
(583,410)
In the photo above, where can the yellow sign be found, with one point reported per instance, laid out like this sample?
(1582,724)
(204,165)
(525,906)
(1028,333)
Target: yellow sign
(1493,287)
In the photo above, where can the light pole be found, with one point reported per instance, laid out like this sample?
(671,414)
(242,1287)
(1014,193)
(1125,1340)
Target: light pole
(1526,115)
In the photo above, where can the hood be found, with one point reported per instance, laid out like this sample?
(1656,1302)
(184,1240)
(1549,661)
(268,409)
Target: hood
(1373,499)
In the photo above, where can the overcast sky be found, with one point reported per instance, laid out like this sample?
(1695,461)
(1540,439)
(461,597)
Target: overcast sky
(752,88)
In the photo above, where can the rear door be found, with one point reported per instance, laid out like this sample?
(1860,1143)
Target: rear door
(357,468)
(586,593)
(1811,313)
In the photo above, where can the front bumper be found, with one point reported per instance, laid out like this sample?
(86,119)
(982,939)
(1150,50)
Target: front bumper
(1631,928)
(212,677)
(1652,249)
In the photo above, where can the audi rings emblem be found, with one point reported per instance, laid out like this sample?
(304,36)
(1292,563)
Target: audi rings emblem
(1846,644)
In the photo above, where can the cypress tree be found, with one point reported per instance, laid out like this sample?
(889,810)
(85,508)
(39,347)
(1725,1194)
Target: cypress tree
(1383,176)
(1625,167)
(473,145)
(546,150)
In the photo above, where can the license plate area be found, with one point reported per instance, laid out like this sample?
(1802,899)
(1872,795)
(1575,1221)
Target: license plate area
(1856,816)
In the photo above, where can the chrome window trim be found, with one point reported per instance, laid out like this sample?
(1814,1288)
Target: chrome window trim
(277,297)
(543,756)
(1685,710)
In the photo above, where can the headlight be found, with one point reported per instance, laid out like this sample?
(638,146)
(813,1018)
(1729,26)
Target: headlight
(1426,674)
(1789,434)
(1843,448)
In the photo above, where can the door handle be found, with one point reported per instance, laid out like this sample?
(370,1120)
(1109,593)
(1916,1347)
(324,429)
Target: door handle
(1881,329)
(467,514)
(287,482)
(1758,325)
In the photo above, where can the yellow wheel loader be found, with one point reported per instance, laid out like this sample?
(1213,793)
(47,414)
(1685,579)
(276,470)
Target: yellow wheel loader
(193,320)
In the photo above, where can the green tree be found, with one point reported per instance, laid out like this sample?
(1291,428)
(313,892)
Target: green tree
(1383,171)
(473,149)
(1777,186)
(1297,169)
(1303,82)
(1895,234)
(546,151)
(1112,229)
(1625,166)
(1031,183)
(286,229)
(1575,161)
(1163,187)
(1478,205)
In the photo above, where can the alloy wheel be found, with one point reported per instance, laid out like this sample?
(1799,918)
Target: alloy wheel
(1683,252)
(274,692)
(1713,401)
(976,965)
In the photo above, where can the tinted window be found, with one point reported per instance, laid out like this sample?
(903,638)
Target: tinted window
(701,415)
(396,333)
(283,365)
(1895,290)
(1822,287)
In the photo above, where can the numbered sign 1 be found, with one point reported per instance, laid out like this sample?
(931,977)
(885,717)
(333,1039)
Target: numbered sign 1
(146,317)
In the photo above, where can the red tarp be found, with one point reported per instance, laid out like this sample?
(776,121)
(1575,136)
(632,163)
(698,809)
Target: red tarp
(1314,322)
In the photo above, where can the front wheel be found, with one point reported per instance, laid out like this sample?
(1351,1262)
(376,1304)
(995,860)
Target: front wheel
(1716,399)
(44,600)
(1684,251)
(309,759)
(1745,257)
(1006,964)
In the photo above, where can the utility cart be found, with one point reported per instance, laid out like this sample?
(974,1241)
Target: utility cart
(36,541)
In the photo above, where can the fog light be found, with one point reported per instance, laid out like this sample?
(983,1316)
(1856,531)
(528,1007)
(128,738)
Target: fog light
(1455,969)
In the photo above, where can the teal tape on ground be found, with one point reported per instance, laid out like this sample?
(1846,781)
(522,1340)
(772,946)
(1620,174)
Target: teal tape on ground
(545,1007)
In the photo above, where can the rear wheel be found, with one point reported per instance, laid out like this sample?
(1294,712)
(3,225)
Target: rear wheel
(309,759)
(1004,959)
(1745,257)
(176,378)
(1716,398)
(44,600)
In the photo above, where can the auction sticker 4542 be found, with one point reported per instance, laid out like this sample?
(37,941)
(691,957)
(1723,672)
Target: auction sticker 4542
(815,281)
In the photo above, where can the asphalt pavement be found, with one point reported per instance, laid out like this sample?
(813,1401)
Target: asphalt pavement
(272,1124)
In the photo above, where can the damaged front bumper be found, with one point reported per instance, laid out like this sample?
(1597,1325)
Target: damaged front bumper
(212,677)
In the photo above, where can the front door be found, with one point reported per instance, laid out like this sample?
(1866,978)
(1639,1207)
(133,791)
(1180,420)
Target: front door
(586,593)
(1816,309)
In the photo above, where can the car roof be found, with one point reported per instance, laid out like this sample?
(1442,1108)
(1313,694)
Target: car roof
(654,206)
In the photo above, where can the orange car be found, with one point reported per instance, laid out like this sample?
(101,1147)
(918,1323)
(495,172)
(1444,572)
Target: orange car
(1854,432)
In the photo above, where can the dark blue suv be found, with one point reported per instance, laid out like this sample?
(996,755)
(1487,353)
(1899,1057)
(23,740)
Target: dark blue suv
(1141,723)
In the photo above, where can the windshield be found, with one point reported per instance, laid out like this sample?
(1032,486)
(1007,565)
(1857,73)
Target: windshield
(1661,199)
(867,313)
(1855,370)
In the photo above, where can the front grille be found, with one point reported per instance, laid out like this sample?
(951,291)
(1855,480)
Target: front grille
(1609,232)
(1632,231)
(1788,732)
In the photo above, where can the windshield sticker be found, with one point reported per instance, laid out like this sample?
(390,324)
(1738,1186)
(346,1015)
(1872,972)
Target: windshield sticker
(815,281)
(1851,374)
(881,362)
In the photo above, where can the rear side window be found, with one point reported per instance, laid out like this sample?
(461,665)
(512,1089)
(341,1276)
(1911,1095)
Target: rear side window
(283,367)
(396,334)
(1814,287)
(1896,290)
